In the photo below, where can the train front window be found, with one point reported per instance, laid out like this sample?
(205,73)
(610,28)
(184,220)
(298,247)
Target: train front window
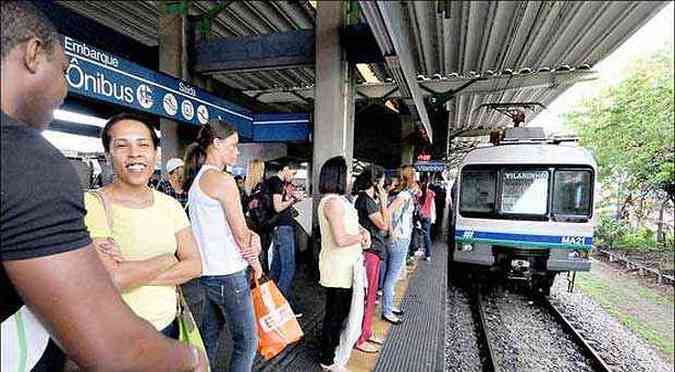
(478,191)
(524,192)
(572,193)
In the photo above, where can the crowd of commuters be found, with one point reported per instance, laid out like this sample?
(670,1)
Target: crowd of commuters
(48,259)
(127,247)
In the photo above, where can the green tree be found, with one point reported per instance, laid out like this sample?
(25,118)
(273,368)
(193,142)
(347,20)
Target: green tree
(629,127)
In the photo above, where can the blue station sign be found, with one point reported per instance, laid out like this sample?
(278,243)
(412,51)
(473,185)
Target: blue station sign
(105,77)
(431,166)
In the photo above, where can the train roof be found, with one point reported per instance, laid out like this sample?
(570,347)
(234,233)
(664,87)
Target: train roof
(543,153)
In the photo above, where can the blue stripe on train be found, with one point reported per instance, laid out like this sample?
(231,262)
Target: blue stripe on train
(549,239)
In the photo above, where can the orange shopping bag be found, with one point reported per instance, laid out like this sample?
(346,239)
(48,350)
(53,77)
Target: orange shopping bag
(275,320)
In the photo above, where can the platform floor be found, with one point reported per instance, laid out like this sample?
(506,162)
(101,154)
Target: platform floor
(415,345)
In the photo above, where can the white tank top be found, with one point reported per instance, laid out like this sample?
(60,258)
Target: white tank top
(220,254)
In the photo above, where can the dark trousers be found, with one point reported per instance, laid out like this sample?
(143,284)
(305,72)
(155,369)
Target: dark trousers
(426,226)
(53,359)
(338,302)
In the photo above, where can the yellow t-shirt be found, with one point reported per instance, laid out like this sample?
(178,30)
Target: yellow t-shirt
(141,234)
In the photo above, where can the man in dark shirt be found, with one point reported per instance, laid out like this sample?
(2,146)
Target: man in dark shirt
(47,260)
(283,260)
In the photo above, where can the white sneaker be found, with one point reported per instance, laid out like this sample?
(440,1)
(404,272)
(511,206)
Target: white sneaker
(334,368)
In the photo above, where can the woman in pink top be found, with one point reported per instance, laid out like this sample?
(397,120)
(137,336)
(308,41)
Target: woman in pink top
(427,214)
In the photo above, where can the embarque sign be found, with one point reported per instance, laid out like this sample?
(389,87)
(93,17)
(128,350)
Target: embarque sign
(103,76)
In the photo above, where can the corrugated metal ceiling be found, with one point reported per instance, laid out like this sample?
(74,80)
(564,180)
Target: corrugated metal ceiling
(466,37)
(140,21)
(451,38)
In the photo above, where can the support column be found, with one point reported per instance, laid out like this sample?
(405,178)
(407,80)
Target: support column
(407,153)
(407,149)
(333,97)
(172,39)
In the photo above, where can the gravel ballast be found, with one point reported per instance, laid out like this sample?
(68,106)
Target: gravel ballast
(525,337)
(461,346)
(621,349)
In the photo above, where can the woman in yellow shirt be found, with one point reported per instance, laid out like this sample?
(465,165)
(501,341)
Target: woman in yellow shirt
(149,248)
(342,242)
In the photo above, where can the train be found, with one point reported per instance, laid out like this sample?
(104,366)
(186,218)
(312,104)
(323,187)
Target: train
(522,209)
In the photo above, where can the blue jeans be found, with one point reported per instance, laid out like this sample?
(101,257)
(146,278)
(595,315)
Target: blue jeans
(172,330)
(397,251)
(283,261)
(229,297)
(426,226)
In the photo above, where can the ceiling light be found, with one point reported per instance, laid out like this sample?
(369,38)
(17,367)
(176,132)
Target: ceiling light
(367,72)
(74,117)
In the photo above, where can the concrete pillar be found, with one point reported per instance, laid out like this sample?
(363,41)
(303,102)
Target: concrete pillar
(407,153)
(408,126)
(172,41)
(333,97)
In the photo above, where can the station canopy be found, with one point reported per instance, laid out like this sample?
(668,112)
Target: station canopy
(449,55)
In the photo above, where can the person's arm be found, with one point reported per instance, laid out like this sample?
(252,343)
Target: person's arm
(334,212)
(127,275)
(189,264)
(124,274)
(223,188)
(73,296)
(381,217)
(279,204)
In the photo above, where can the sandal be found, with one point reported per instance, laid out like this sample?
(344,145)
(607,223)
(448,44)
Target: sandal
(376,340)
(366,348)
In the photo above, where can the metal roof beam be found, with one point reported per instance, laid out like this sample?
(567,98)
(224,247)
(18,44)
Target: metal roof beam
(269,51)
(483,85)
(386,18)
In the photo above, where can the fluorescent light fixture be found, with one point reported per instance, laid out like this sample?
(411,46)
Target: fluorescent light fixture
(367,73)
(74,117)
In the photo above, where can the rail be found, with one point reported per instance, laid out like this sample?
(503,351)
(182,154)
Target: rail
(577,337)
(479,312)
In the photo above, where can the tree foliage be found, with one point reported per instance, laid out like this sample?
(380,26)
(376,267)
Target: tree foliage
(629,127)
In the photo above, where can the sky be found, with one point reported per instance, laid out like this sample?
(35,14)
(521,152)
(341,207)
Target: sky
(654,35)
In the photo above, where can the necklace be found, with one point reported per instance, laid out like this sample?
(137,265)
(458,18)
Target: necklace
(132,201)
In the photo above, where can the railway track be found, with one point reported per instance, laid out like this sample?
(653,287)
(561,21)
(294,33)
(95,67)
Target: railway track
(491,361)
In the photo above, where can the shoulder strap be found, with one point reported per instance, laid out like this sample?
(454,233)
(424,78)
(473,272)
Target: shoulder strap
(105,203)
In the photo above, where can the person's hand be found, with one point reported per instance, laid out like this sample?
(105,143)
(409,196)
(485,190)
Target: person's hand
(365,238)
(382,195)
(256,244)
(202,360)
(108,247)
(257,270)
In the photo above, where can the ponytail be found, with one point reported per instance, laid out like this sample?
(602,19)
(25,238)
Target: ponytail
(195,155)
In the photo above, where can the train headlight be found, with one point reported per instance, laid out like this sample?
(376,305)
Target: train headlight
(467,247)
(573,254)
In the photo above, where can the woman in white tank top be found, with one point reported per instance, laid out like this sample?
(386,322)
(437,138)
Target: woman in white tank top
(226,244)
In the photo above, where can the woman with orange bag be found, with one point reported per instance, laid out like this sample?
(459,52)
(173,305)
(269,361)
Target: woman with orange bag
(227,246)
(342,241)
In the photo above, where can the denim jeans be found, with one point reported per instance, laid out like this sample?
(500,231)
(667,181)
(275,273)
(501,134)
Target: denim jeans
(426,226)
(229,297)
(397,250)
(171,331)
(283,261)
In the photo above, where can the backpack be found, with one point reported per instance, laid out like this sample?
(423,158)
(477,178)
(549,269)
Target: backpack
(259,206)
